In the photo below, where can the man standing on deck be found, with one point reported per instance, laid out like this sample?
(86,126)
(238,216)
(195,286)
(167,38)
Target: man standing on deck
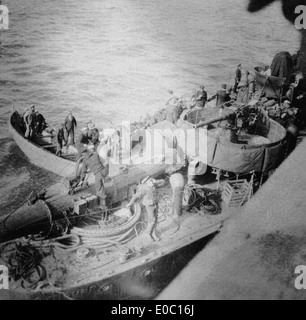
(147,193)
(83,140)
(93,134)
(200,97)
(173,108)
(60,138)
(70,125)
(222,96)
(237,78)
(90,160)
(40,123)
(29,120)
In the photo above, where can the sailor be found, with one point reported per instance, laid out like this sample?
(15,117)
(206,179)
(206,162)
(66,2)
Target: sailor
(60,139)
(200,97)
(173,108)
(222,96)
(250,82)
(29,120)
(70,125)
(90,160)
(83,140)
(147,194)
(173,100)
(237,78)
(40,123)
(93,134)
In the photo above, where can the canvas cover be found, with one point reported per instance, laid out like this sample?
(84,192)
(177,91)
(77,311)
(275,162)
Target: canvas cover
(241,158)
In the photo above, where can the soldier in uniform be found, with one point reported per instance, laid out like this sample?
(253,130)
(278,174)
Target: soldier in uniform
(90,160)
(222,96)
(60,139)
(200,97)
(147,194)
(70,125)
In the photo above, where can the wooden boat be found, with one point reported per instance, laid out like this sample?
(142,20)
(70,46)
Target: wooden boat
(41,152)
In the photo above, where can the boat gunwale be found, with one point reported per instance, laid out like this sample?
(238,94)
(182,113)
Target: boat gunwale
(22,143)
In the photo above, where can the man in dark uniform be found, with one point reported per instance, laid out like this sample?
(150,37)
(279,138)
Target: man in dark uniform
(40,123)
(222,96)
(237,78)
(70,125)
(200,97)
(83,140)
(90,160)
(147,194)
(60,138)
(95,135)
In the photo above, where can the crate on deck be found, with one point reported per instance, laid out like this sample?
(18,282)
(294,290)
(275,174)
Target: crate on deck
(237,193)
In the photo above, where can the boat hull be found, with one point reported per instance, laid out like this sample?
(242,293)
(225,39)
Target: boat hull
(141,282)
(36,154)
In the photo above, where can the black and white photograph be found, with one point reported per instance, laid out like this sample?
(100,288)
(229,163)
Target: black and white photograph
(153,151)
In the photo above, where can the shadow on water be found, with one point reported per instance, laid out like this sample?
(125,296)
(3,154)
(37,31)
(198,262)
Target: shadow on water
(18,177)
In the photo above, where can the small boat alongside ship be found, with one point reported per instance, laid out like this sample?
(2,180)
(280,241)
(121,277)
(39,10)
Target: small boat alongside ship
(73,249)
(40,152)
(65,245)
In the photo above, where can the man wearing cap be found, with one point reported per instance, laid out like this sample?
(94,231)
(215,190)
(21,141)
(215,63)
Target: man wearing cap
(147,194)
(60,140)
(90,160)
(93,134)
(83,140)
(237,78)
(200,97)
(173,108)
(222,96)
(29,120)
(40,123)
(70,125)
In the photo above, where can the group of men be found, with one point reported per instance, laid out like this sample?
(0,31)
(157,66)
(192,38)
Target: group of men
(34,122)
(65,133)
(222,96)
(86,144)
